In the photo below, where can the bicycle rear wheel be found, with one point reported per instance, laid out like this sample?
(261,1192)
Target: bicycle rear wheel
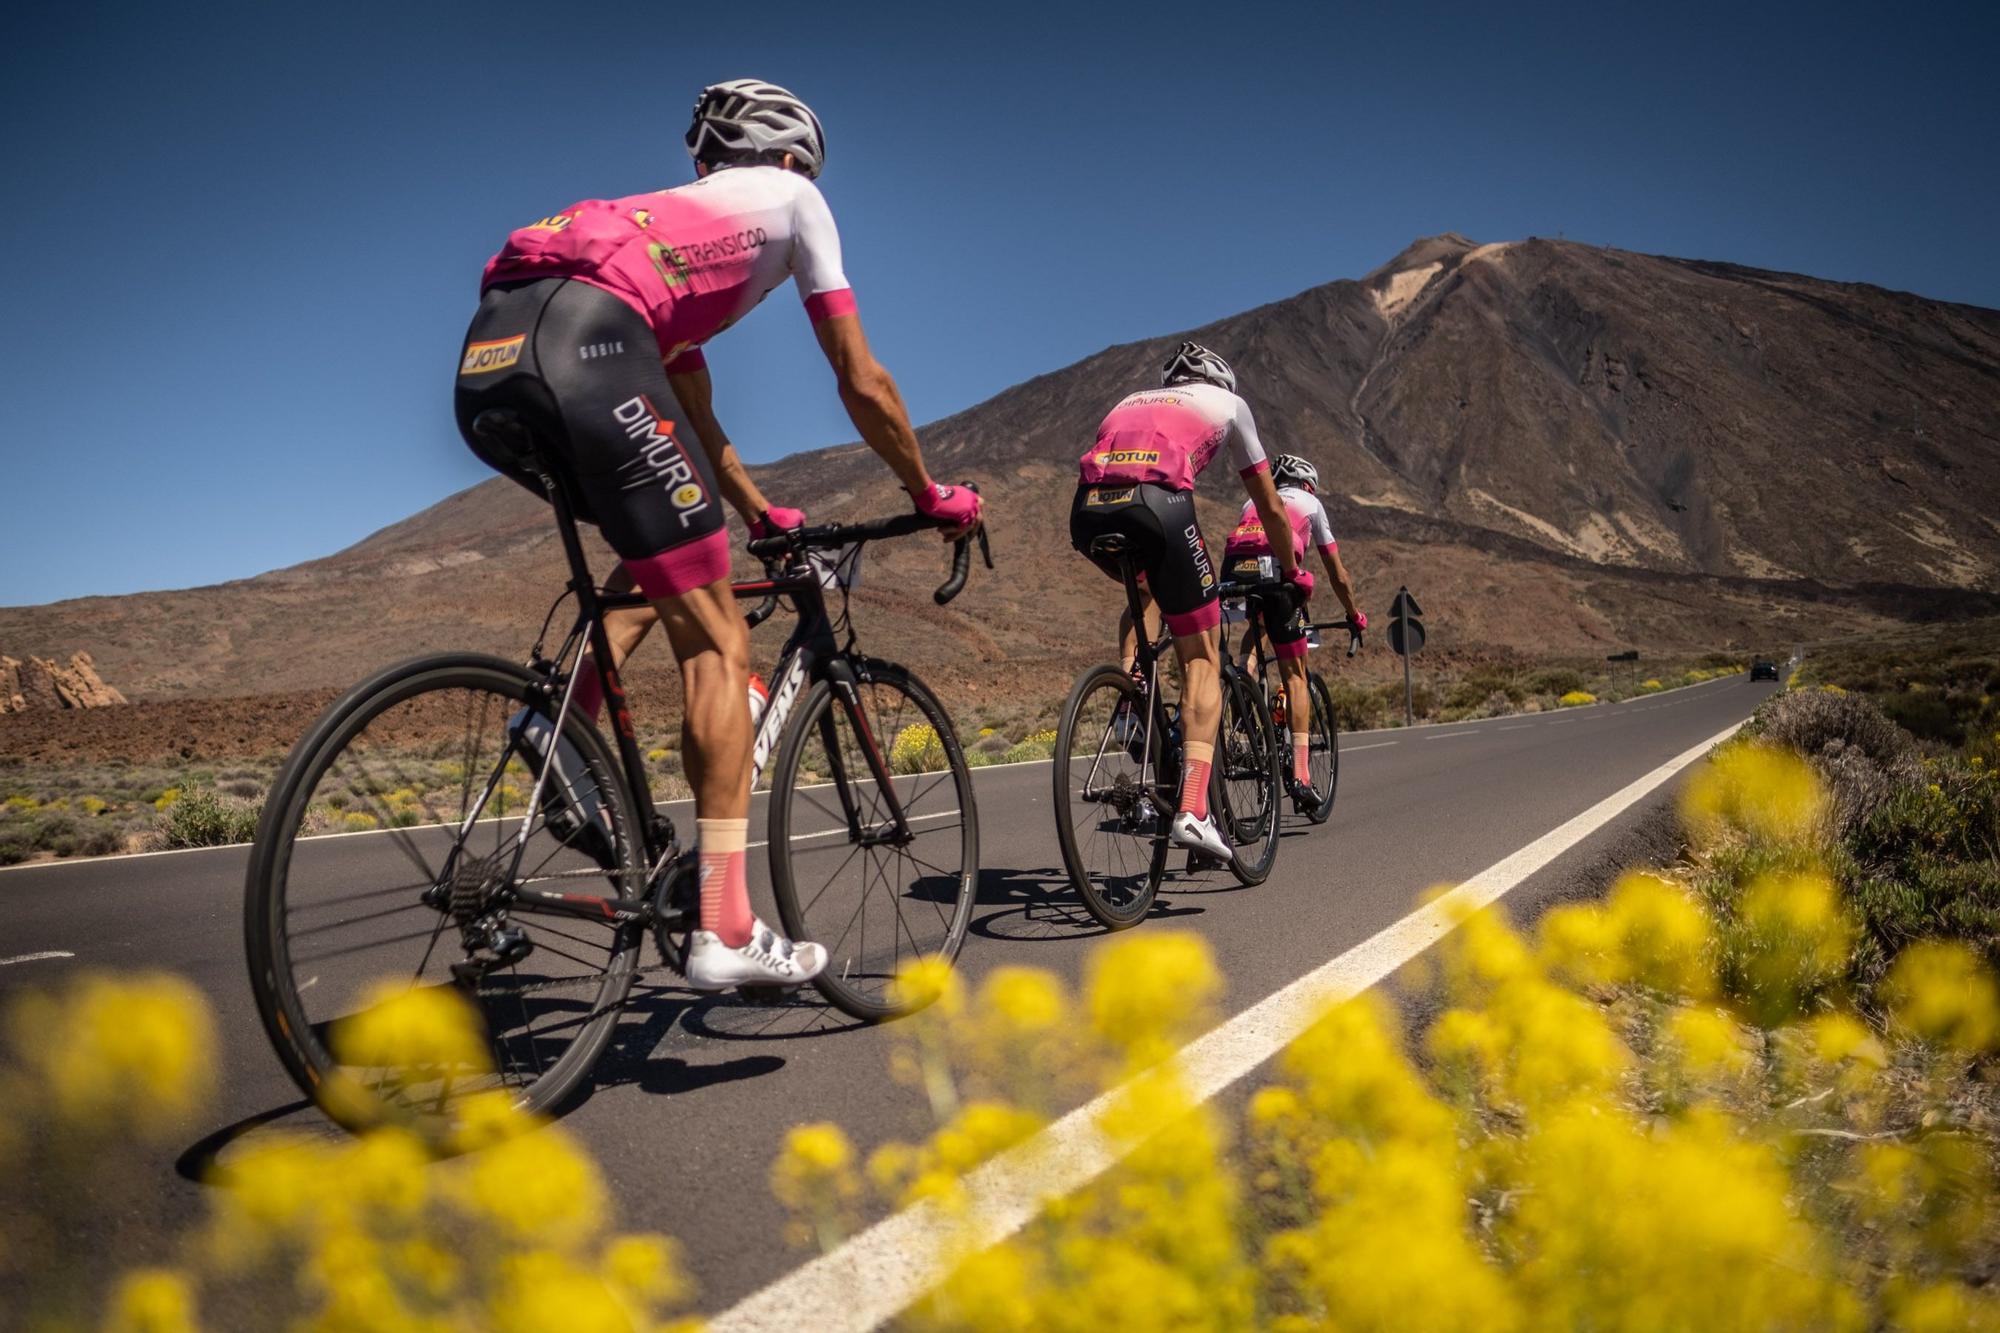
(843,877)
(1112,809)
(389,844)
(1247,778)
(1323,761)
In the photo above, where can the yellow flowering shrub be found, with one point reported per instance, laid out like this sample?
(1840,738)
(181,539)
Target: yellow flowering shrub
(374,1231)
(1577,697)
(917,749)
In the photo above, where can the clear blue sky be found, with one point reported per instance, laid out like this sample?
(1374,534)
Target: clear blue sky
(243,240)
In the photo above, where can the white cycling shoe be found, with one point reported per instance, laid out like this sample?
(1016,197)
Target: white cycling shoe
(1199,835)
(769,959)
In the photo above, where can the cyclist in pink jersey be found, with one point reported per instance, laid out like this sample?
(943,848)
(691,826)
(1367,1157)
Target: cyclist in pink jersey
(591,323)
(1137,481)
(1297,481)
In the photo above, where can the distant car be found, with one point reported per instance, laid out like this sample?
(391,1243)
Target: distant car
(1763,670)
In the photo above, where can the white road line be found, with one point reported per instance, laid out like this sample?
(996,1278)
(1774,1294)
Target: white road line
(1447,735)
(878,1273)
(1523,726)
(1351,749)
(36,957)
(836,832)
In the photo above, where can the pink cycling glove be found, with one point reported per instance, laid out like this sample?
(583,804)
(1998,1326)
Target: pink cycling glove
(1302,579)
(775,520)
(956,506)
(1361,620)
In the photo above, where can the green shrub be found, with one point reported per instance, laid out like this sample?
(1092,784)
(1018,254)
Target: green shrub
(202,818)
(1555,680)
(1038,746)
(978,758)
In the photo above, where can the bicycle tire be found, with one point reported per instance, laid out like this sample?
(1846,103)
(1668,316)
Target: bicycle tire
(1119,901)
(1247,779)
(1326,741)
(856,981)
(301,1041)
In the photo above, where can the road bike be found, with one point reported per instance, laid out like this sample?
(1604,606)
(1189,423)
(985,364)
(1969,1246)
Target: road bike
(1249,576)
(1117,774)
(426,833)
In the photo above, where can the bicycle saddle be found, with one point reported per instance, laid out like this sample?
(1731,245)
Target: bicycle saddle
(509,435)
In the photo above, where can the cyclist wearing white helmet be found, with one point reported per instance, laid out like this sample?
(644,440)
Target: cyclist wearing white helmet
(1297,482)
(1137,481)
(590,324)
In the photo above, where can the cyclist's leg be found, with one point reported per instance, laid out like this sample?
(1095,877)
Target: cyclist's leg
(659,507)
(1290,641)
(1182,579)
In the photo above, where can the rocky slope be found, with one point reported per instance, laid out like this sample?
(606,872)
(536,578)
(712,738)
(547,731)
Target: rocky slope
(1561,448)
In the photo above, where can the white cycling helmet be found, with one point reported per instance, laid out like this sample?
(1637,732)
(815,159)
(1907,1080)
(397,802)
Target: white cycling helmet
(1291,470)
(748,118)
(1192,361)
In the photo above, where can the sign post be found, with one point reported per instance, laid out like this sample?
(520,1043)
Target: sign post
(1629,655)
(1406,636)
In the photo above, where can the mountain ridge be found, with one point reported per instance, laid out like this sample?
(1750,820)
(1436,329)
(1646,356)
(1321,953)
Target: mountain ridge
(1572,444)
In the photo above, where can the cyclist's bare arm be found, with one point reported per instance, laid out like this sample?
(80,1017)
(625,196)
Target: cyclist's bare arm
(1336,573)
(1277,523)
(697,397)
(872,400)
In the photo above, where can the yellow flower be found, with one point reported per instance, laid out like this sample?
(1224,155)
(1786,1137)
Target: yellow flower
(424,1032)
(1940,991)
(540,1290)
(1663,936)
(539,1187)
(817,1158)
(1151,989)
(1794,940)
(1759,790)
(151,1300)
(135,1054)
(357,822)
(1575,698)
(1708,1043)
(1838,1038)
(1028,1000)
(917,749)
(646,1269)
(930,983)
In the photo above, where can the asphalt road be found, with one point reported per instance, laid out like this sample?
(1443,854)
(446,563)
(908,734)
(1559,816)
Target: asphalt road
(691,1103)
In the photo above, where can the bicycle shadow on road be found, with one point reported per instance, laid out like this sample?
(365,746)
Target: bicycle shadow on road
(1040,904)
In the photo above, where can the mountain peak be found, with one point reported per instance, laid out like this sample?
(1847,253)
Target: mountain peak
(1443,248)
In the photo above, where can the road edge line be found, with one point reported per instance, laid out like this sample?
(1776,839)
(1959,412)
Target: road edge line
(878,1273)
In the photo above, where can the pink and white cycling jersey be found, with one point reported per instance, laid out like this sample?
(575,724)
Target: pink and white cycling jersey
(1167,436)
(694,259)
(1310,526)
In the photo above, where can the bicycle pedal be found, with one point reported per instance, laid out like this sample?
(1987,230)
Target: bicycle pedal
(765,996)
(1201,862)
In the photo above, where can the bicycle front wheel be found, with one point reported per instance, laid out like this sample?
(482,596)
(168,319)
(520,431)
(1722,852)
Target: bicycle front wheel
(1247,777)
(1323,761)
(1112,809)
(385,863)
(877,891)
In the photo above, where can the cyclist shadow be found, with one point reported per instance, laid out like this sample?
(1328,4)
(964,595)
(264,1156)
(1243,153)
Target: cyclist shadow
(1030,904)
(633,1060)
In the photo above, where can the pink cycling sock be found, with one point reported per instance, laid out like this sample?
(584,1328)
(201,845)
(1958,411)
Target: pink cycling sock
(1194,780)
(589,694)
(1301,748)
(725,884)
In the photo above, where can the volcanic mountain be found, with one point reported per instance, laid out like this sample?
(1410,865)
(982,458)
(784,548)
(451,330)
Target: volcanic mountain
(1558,447)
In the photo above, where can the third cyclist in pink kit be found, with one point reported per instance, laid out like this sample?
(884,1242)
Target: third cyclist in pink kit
(1137,481)
(1297,481)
